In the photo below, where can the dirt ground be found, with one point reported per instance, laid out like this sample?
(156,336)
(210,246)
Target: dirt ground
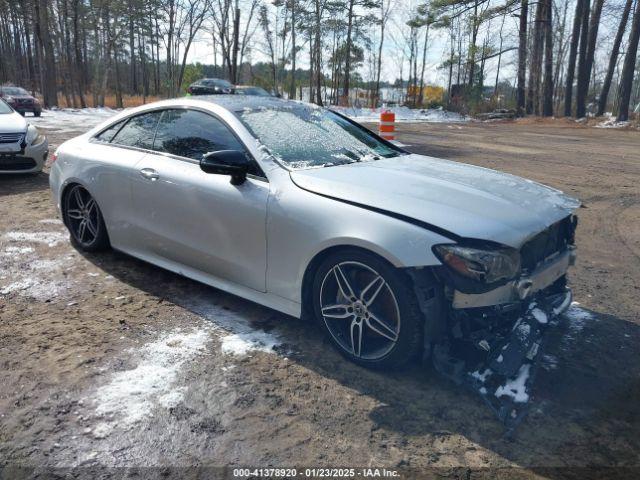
(106,361)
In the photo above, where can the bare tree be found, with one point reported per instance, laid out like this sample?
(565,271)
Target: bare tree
(584,73)
(547,97)
(522,56)
(628,69)
(613,58)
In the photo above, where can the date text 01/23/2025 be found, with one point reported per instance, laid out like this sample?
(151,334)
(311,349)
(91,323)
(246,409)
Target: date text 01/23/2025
(315,472)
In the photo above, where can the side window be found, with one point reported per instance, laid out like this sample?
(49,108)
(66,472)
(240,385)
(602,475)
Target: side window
(138,131)
(108,134)
(191,134)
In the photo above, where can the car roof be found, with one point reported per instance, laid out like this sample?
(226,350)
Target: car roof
(235,103)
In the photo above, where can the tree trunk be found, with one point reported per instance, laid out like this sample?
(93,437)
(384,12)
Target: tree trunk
(522,56)
(584,76)
(132,51)
(573,52)
(547,98)
(613,59)
(495,89)
(49,87)
(169,66)
(424,62)
(292,86)
(535,72)
(472,44)
(318,54)
(347,61)
(628,69)
(383,22)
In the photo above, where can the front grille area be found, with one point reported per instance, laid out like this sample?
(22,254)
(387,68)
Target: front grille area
(11,137)
(554,239)
(14,163)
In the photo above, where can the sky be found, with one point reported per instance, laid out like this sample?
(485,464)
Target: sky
(395,43)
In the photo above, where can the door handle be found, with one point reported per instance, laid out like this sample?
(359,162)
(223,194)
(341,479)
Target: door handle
(149,174)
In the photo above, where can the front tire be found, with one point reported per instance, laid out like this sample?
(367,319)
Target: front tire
(368,309)
(83,218)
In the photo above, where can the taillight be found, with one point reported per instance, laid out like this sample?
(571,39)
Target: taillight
(54,157)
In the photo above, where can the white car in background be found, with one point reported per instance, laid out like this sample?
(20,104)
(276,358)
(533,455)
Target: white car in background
(22,148)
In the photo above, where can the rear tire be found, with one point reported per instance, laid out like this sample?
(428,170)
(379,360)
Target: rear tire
(37,114)
(82,216)
(368,309)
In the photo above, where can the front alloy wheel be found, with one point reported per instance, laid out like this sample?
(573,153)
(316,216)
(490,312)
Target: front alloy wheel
(368,309)
(84,220)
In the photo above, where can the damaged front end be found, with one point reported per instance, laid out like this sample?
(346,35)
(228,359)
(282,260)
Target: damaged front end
(495,308)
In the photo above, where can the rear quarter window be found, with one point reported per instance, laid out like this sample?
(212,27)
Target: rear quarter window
(108,134)
(138,132)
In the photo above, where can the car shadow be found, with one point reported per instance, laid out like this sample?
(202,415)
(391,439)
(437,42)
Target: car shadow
(586,400)
(15,184)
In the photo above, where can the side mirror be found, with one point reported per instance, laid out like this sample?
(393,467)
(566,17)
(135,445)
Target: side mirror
(226,162)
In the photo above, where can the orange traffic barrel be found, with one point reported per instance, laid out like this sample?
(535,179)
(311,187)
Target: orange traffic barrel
(387,126)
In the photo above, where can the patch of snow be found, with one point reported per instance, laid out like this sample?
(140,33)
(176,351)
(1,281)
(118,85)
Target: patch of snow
(516,387)
(41,279)
(481,376)
(16,286)
(577,317)
(239,337)
(539,315)
(523,330)
(72,120)
(403,114)
(243,343)
(51,221)
(50,239)
(132,395)
(102,430)
(613,123)
(13,250)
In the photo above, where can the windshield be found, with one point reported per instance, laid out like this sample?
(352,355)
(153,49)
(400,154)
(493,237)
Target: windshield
(4,108)
(305,137)
(14,91)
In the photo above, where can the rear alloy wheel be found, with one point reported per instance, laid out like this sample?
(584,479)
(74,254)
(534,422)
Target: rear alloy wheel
(84,220)
(368,309)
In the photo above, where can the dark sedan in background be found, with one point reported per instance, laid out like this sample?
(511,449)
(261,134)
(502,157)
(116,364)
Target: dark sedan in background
(21,100)
(210,86)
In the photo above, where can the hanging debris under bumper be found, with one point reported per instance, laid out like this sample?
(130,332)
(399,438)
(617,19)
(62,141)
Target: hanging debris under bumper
(500,361)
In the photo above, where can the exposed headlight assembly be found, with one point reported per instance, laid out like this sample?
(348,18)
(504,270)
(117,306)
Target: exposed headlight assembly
(34,137)
(483,265)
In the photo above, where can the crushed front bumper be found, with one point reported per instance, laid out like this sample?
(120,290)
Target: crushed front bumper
(498,357)
(522,288)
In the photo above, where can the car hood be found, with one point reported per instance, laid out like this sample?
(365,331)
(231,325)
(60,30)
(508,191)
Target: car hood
(12,123)
(468,201)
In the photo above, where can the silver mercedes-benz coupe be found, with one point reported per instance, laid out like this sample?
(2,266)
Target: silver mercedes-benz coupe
(303,210)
